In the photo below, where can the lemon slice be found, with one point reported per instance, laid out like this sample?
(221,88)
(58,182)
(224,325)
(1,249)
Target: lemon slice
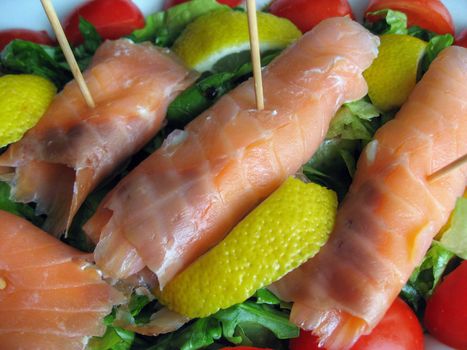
(223,32)
(393,74)
(23,100)
(288,228)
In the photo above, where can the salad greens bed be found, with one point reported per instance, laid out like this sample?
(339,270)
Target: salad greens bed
(263,319)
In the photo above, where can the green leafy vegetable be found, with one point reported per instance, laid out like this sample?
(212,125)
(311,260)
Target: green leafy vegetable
(249,312)
(116,338)
(113,339)
(197,335)
(26,57)
(191,102)
(209,88)
(353,126)
(92,40)
(164,27)
(237,324)
(333,164)
(392,22)
(264,296)
(454,238)
(46,61)
(352,121)
(436,44)
(19,209)
(423,34)
(426,276)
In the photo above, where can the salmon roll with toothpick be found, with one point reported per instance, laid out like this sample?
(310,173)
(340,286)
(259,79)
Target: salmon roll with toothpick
(188,195)
(74,147)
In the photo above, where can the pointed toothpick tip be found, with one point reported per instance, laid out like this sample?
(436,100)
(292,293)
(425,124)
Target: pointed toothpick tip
(255,53)
(70,58)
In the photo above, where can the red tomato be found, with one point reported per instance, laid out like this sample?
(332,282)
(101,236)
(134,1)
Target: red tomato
(427,14)
(461,40)
(398,330)
(40,37)
(305,14)
(231,3)
(112,19)
(446,311)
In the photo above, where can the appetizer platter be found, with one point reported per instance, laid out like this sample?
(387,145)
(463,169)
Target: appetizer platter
(153,195)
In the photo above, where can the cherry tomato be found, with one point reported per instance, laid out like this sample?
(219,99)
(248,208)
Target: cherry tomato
(461,40)
(398,330)
(231,3)
(40,37)
(446,311)
(306,14)
(427,14)
(112,19)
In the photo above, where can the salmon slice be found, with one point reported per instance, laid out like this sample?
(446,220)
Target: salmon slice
(51,297)
(62,159)
(391,214)
(186,197)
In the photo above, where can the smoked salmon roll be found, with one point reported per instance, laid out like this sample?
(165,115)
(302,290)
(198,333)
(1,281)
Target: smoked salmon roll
(73,147)
(186,196)
(51,297)
(391,214)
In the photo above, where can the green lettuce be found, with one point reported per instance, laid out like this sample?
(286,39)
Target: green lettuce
(427,276)
(440,258)
(164,27)
(333,164)
(436,44)
(392,22)
(116,338)
(454,238)
(22,56)
(353,121)
(239,324)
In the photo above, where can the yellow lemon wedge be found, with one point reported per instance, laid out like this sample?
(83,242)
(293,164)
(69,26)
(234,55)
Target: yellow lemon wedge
(24,99)
(284,231)
(217,34)
(393,74)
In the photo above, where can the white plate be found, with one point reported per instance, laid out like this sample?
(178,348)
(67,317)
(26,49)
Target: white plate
(29,14)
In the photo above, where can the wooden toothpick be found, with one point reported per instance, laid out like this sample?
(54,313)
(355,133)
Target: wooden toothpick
(70,58)
(255,55)
(448,168)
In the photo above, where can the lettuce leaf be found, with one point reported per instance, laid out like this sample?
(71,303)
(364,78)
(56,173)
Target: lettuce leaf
(334,163)
(352,121)
(436,44)
(239,324)
(392,22)
(22,56)
(164,27)
(454,238)
(426,277)
(116,338)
